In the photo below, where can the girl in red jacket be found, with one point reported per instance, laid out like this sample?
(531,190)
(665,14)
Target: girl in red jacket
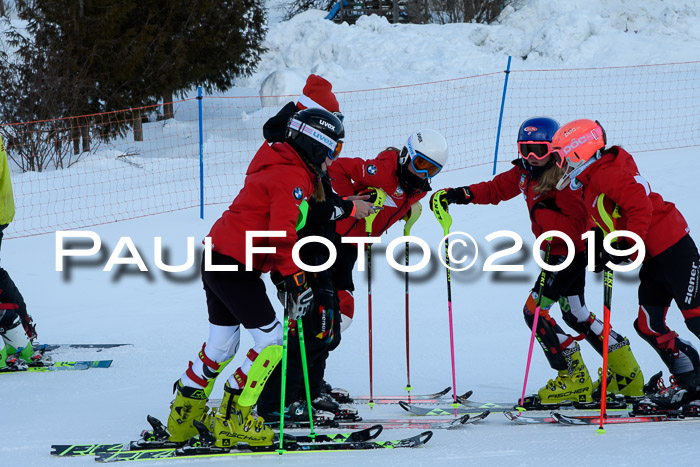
(404,175)
(279,180)
(610,180)
(535,175)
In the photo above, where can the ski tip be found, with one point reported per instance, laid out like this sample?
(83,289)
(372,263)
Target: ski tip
(405,405)
(443,392)
(457,422)
(425,437)
(565,420)
(374,431)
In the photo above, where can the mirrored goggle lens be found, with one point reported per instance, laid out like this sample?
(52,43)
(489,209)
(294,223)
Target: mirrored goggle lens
(423,164)
(333,155)
(538,150)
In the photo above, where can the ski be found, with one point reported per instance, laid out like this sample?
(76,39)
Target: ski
(436,398)
(532,403)
(657,416)
(519,419)
(194,452)
(417,398)
(63,366)
(72,450)
(421,423)
(435,395)
(438,411)
(577,420)
(96,347)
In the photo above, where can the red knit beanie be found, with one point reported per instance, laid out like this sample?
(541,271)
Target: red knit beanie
(318,94)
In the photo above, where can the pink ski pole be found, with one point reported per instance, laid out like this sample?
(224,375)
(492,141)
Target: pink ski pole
(543,275)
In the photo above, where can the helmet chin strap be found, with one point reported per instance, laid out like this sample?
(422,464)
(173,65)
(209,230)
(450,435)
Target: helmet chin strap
(570,177)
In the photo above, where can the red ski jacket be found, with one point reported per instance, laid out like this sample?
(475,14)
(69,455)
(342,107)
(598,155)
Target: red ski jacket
(570,217)
(353,175)
(276,183)
(642,211)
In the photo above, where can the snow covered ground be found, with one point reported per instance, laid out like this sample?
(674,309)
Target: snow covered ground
(164,315)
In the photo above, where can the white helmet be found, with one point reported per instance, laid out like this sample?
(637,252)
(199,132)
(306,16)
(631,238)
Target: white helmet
(427,152)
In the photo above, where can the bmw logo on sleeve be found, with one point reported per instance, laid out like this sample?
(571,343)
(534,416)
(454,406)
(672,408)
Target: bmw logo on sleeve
(298,193)
(371,169)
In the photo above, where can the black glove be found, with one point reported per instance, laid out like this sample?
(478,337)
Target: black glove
(447,196)
(602,257)
(295,295)
(548,203)
(461,195)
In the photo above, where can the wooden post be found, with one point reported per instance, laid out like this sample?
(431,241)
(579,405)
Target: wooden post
(85,132)
(55,134)
(75,136)
(138,125)
(168,111)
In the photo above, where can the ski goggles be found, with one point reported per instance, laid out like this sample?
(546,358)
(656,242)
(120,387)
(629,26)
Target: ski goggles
(421,163)
(537,149)
(334,147)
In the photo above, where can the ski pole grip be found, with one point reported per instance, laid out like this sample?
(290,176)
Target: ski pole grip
(412,216)
(379,198)
(441,214)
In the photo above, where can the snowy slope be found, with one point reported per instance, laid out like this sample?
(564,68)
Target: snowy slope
(166,322)
(164,315)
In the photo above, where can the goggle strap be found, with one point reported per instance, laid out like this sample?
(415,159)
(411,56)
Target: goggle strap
(295,124)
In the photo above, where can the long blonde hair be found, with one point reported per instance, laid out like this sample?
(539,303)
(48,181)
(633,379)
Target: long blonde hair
(548,180)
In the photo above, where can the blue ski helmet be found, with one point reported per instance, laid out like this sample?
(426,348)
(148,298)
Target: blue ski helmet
(538,129)
(535,140)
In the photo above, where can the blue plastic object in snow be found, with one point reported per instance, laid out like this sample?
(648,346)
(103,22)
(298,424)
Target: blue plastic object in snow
(334,11)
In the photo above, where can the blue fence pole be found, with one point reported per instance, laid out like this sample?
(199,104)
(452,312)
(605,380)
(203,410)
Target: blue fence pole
(201,156)
(500,117)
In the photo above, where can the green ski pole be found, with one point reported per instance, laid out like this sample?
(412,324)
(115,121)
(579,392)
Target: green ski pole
(302,346)
(284,376)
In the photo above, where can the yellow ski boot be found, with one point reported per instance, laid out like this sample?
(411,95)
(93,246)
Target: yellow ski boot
(625,375)
(190,404)
(573,384)
(234,423)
